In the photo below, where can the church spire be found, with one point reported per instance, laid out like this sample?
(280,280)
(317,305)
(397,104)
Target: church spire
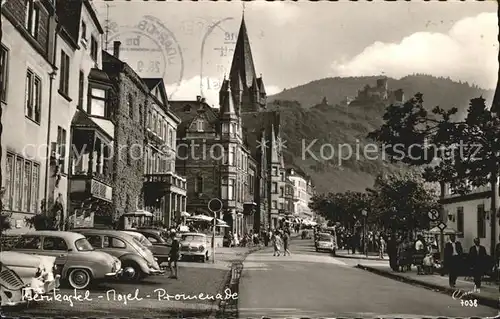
(242,64)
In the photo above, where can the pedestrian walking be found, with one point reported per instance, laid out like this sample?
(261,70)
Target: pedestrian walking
(452,252)
(419,254)
(497,262)
(174,255)
(277,244)
(477,255)
(381,247)
(392,251)
(286,239)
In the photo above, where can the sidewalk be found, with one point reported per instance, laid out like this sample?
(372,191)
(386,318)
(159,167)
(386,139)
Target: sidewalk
(488,294)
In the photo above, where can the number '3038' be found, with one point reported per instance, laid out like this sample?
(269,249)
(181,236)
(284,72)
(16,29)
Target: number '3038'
(469,303)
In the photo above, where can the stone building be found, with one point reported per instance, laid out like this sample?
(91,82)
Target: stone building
(128,161)
(303,192)
(215,160)
(164,190)
(27,67)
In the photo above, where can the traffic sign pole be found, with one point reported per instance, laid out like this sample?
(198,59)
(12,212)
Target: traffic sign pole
(215,206)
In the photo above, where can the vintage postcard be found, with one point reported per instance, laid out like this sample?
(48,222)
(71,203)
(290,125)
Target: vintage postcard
(249,159)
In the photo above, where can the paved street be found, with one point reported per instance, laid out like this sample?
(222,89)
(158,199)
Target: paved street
(153,294)
(311,284)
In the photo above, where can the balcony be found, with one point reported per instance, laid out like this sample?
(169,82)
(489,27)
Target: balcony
(85,186)
(165,182)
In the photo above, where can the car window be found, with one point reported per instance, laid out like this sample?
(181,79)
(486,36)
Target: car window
(54,243)
(94,240)
(152,239)
(113,242)
(29,242)
(325,238)
(192,238)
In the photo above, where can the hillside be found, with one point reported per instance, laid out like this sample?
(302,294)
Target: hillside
(305,120)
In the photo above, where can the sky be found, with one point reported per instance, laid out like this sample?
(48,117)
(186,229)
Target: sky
(189,43)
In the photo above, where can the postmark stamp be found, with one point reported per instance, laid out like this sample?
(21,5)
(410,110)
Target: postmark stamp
(216,53)
(150,48)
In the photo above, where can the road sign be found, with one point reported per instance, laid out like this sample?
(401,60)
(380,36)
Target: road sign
(358,224)
(433,215)
(442,226)
(215,205)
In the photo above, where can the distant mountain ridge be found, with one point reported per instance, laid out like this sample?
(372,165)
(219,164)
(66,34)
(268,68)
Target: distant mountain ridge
(318,113)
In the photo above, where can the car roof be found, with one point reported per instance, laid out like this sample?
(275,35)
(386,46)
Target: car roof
(54,233)
(325,234)
(133,233)
(104,232)
(193,234)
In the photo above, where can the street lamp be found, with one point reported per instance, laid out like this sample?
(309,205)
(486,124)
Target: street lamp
(365,246)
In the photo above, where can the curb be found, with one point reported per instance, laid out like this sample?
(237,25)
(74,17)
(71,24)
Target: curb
(361,257)
(229,308)
(481,299)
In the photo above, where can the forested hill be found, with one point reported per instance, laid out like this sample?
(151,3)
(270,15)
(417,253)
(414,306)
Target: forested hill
(316,113)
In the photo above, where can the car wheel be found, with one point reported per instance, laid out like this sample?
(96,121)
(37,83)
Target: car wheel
(131,272)
(203,258)
(79,278)
(207,257)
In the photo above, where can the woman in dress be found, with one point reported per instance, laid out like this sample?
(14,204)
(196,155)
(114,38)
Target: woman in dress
(277,244)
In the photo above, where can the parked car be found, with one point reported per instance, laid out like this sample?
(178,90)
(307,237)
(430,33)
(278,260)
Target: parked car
(137,261)
(23,276)
(77,261)
(195,245)
(160,247)
(325,242)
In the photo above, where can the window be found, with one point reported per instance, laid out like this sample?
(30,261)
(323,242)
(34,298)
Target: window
(274,204)
(27,187)
(4,69)
(171,136)
(21,184)
(29,242)
(129,155)
(281,206)
(130,105)
(84,31)
(481,221)
(94,240)
(227,189)
(81,86)
(97,104)
(113,242)
(153,127)
(187,108)
(33,96)
(460,221)
(64,75)
(93,48)
(199,184)
(32,17)
(274,188)
(275,171)
(150,119)
(199,125)
(231,155)
(61,147)
(54,243)
(282,192)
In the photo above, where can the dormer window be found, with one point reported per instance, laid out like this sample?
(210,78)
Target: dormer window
(199,125)
(187,108)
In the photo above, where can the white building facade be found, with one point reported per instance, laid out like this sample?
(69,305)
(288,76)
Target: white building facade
(303,192)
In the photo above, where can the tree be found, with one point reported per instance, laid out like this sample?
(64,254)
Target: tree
(401,202)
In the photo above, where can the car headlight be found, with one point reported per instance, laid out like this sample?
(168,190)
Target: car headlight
(201,248)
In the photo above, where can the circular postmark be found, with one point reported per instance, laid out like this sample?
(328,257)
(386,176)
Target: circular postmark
(216,53)
(150,48)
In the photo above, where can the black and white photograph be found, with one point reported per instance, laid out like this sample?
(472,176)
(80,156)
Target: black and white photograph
(249,159)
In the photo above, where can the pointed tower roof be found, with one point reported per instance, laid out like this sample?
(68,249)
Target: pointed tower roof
(260,83)
(242,64)
(274,147)
(227,107)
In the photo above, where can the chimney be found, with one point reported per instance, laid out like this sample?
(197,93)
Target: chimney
(116,49)
(198,98)
(203,100)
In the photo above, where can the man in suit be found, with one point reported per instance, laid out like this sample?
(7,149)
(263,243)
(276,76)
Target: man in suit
(452,252)
(477,257)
